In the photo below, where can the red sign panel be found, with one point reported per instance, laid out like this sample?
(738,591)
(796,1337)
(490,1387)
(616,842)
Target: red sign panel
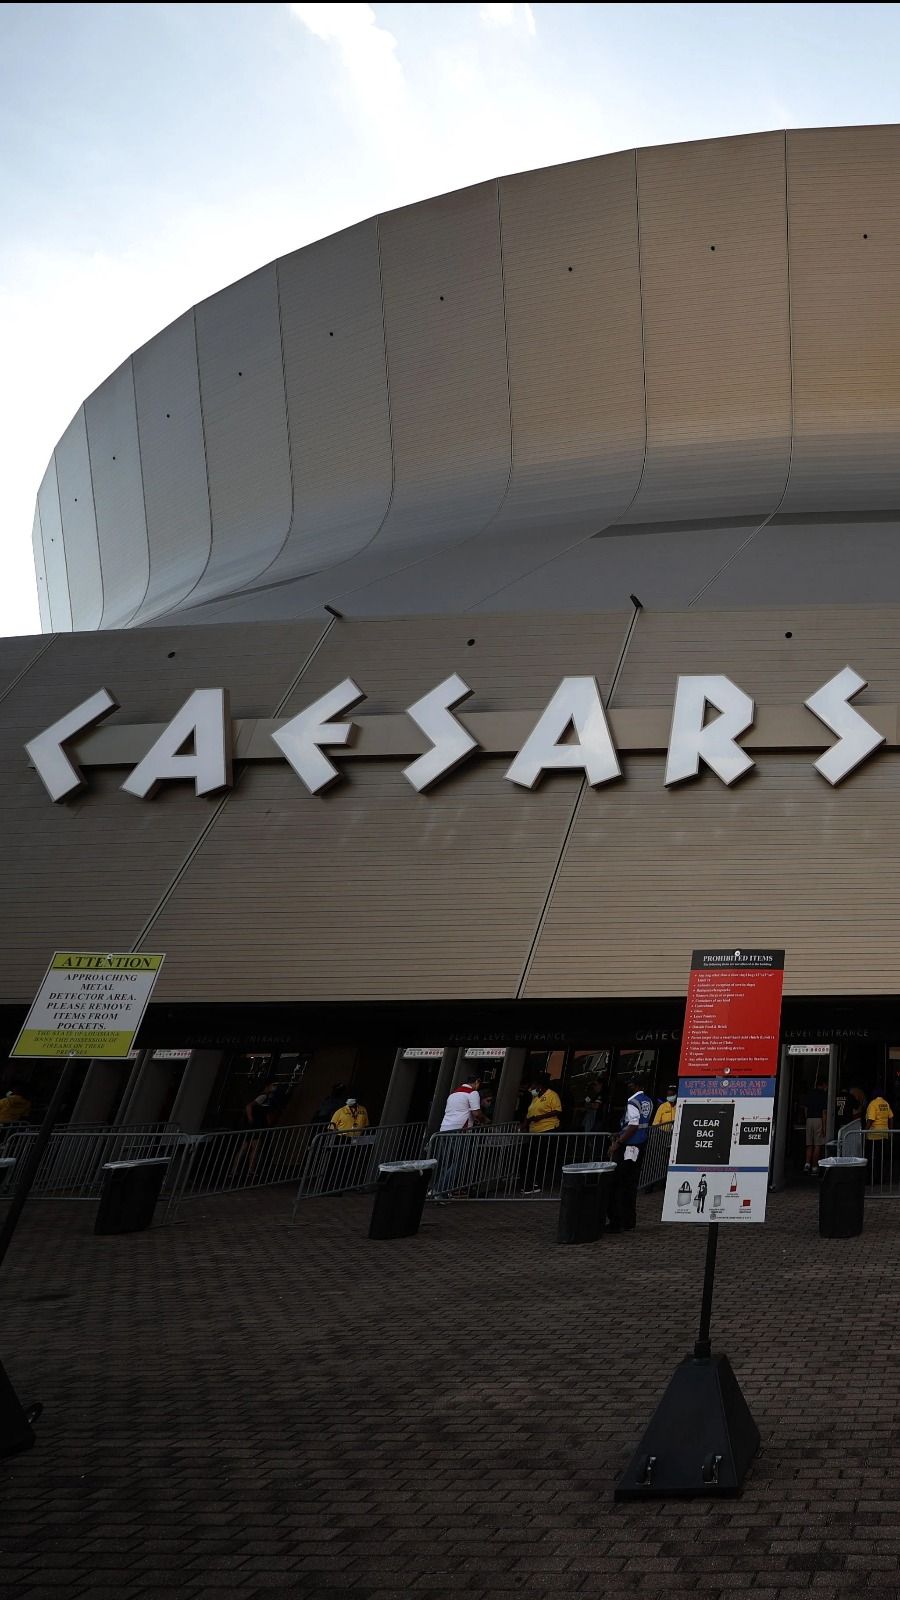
(733,1018)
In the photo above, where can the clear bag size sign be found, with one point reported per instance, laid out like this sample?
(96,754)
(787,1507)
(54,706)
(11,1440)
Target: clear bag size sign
(89,1004)
(721,1140)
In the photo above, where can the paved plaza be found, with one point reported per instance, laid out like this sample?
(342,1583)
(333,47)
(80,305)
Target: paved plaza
(239,1406)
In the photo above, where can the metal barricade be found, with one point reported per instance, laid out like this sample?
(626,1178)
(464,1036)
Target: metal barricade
(880,1149)
(70,1168)
(499,1164)
(337,1163)
(655,1163)
(851,1139)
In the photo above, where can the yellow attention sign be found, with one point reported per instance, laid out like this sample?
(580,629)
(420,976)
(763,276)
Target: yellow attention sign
(90,1003)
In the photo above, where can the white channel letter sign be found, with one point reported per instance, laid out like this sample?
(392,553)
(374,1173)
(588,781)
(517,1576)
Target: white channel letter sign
(572,734)
(301,739)
(56,770)
(203,721)
(450,742)
(857,738)
(693,739)
(576,704)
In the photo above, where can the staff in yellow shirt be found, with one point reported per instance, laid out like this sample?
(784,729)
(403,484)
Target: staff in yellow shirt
(543,1116)
(350,1119)
(665,1114)
(879,1118)
(15,1104)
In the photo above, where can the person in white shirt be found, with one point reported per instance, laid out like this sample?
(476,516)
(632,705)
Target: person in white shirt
(462,1111)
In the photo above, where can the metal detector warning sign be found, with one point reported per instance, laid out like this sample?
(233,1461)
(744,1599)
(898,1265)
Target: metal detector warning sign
(89,1004)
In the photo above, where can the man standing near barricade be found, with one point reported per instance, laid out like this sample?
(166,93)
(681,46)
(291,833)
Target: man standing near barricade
(543,1116)
(879,1122)
(351,1118)
(626,1151)
(461,1113)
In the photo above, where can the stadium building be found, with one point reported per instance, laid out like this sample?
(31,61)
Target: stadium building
(597,469)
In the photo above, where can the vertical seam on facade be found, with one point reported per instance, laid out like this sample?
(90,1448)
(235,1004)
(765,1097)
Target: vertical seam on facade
(178,875)
(87,446)
(554,879)
(640,273)
(137,432)
(617,517)
(202,573)
(790,461)
(252,582)
(62,540)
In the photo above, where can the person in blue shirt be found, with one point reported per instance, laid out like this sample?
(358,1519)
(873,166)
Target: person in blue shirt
(626,1151)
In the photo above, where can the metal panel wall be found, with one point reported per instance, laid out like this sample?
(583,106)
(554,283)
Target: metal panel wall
(76,501)
(572,293)
(92,871)
(245,421)
(844,186)
(661,566)
(809,560)
(395,663)
(336,387)
(446,348)
(115,455)
(777,656)
(40,572)
(368,892)
(716,328)
(780,859)
(54,552)
(173,456)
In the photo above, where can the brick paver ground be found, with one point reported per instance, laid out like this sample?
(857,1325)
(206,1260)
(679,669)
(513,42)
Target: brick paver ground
(236,1406)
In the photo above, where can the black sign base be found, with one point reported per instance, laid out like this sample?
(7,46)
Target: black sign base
(701,1438)
(16,1432)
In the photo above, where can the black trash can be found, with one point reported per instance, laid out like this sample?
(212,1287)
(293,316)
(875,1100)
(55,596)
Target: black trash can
(129,1195)
(400,1198)
(584,1201)
(842,1197)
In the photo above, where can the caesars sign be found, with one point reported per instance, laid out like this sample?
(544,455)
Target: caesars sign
(575,732)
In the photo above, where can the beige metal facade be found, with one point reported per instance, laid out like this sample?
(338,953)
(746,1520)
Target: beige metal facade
(478,889)
(477,426)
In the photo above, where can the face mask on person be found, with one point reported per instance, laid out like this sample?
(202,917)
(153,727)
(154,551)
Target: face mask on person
(671,1099)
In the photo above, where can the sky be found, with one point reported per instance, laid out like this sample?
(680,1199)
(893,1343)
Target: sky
(151,154)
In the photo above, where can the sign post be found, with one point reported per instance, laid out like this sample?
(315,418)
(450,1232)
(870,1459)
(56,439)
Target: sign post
(702,1437)
(90,1004)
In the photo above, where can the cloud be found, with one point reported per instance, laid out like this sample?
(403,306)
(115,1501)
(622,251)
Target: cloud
(520,17)
(367,52)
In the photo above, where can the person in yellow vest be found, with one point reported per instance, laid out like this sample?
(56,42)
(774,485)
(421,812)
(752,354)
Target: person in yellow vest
(665,1115)
(350,1118)
(15,1104)
(879,1121)
(543,1116)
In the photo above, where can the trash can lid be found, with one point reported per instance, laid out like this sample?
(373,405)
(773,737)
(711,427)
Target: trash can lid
(590,1166)
(425,1165)
(844,1161)
(149,1161)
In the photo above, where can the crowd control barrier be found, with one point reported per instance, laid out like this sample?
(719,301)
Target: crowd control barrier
(71,1166)
(338,1163)
(499,1165)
